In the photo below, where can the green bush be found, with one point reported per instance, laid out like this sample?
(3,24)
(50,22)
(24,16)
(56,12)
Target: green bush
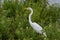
(14,23)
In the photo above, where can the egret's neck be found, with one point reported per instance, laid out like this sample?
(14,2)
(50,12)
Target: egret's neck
(30,16)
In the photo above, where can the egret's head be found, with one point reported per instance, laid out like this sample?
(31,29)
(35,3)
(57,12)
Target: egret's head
(29,8)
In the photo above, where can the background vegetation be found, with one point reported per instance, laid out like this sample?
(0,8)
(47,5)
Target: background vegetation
(14,23)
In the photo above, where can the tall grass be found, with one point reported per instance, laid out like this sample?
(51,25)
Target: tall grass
(14,23)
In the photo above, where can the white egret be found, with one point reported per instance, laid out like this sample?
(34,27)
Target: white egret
(34,25)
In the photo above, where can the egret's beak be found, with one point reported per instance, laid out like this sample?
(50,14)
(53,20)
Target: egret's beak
(26,8)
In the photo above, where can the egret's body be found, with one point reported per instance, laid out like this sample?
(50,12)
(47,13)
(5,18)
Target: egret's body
(34,25)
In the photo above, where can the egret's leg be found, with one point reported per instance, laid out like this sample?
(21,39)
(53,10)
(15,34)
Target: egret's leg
(45,36)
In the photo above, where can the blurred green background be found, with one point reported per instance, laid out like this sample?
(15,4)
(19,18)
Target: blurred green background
(14,24)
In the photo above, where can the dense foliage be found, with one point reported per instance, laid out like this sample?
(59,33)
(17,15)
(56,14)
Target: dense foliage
(14,23)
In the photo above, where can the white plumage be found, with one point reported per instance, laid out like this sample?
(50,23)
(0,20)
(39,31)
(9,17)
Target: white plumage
(34,25)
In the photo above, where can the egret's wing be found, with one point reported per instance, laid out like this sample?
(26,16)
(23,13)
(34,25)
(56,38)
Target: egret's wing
(37,27)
